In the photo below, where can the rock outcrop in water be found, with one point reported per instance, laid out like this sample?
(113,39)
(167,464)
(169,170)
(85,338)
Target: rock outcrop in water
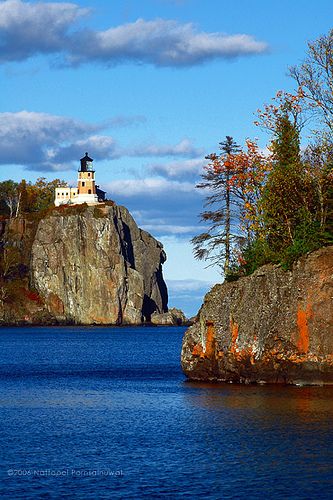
(174,317)
(84,265)
(274,326)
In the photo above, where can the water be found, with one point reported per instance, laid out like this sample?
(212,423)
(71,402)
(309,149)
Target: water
(95,413)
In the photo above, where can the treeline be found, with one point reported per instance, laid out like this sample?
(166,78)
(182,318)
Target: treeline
(277,205)
(17,198)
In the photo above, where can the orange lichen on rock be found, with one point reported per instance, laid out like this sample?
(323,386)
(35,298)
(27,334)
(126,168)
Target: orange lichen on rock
(234,335)
(241,354)
(55,304)
(303,316)
(210,339)
(197,350)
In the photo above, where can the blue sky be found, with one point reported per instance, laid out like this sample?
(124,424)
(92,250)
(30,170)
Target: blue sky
(148,88)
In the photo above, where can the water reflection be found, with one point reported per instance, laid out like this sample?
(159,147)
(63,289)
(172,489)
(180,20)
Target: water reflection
(264,431)
(307,403)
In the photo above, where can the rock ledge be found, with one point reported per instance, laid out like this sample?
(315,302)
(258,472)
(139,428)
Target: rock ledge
(274,326)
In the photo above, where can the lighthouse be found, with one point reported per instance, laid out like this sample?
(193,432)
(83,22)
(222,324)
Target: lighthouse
(86,187)
(86,190)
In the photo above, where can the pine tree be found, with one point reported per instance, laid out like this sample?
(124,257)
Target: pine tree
(215,245)
(285,198)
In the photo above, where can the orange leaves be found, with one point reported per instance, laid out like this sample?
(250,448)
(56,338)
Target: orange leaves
(284,104)
(243,173)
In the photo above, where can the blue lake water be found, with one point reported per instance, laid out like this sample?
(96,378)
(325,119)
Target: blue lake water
(105,413)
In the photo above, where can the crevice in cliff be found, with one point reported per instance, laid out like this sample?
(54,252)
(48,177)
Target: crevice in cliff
(125,240)
(82,236)
(162,288)
(148,307)
(120,312)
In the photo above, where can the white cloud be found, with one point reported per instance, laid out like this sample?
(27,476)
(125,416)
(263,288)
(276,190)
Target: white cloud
(32,139)
(148,187)
(29,28)
(181,263)
(183,148)
(179,169)
(162,43)
(160,206)
(25,123)
(126,121)
(190,285)
(101,147)
(45,142)
(188,295)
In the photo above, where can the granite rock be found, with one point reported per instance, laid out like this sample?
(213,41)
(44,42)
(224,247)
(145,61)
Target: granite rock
(174,317)
(91,265)
(274,326)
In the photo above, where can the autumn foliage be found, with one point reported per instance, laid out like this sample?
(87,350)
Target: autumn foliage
(280,202)
(18,198)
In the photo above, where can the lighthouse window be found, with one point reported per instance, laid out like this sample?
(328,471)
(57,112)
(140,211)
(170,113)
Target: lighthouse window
(83,184)
(89,191)
(88,174)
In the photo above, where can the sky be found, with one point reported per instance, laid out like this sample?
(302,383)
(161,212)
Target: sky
(148,88)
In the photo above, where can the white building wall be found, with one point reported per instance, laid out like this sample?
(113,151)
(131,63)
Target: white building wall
(68,196)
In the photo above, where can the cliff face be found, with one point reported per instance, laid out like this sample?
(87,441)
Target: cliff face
(274,326)
(94,267)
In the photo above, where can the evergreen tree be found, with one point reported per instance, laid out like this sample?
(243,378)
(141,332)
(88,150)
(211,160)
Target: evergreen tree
(285,200)
(215,245)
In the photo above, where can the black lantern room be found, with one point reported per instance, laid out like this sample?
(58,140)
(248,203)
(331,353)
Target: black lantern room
(86,164)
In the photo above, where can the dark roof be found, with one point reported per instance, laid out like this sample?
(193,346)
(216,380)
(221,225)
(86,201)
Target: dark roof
(86,158)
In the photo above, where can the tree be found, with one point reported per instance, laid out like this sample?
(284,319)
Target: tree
(285,145)
(315,78)
(283,103)
(250,169)
(17,198)
(9,260)
(280,206)
(41,194)
(9,198)
(215,244)
(285,197)
(318,161)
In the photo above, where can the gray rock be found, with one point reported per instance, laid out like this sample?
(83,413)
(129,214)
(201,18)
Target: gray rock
(274,326)
(174,317)
(95,266)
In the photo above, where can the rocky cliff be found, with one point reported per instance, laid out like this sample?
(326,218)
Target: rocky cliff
(84,265)
(274,326)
